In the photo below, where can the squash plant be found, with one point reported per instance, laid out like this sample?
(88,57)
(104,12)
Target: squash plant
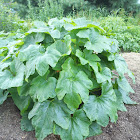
(65,77)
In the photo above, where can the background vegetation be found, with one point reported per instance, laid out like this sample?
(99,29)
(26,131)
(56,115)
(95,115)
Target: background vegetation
(120,19)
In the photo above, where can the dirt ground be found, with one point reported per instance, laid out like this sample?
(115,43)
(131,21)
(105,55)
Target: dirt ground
(126,128)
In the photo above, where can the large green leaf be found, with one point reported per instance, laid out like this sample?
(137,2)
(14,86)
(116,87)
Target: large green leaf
(33,39)
(71,24)
(14,77)
(78,128)
(34,59)
(58,49)
(79,23)
(100,108)
(42,89)
(71,84)
(120,65)
(39,61)
(46,113)
(96,42)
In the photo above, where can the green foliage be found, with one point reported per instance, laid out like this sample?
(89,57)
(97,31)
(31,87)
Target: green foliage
(45,10)
(72,7)
(92,13)
(126,32)
(65,77)
(9,19)
(129,6)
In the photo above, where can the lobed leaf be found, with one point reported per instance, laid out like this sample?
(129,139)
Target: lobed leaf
(45,114)
(78,128)
(14,77)
(100,108)
(96,42)
(71,84)
(42,89)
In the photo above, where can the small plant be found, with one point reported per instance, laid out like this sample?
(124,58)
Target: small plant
(65,78)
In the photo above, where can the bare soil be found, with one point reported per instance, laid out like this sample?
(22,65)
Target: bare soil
(126,128)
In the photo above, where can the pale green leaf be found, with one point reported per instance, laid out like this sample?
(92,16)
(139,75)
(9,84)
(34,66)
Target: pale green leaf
(33,39)
(42,89)
(34,60)
(53,33)
(121,66)
(13,78)
(39,61)
(96,42)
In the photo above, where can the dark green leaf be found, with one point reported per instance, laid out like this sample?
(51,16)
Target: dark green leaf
(100,108)
(46,113)
(24,89)
(78,128)
(87,57)
(71,85)
(94,129)
(22,102)
(102,74)
(26,123)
